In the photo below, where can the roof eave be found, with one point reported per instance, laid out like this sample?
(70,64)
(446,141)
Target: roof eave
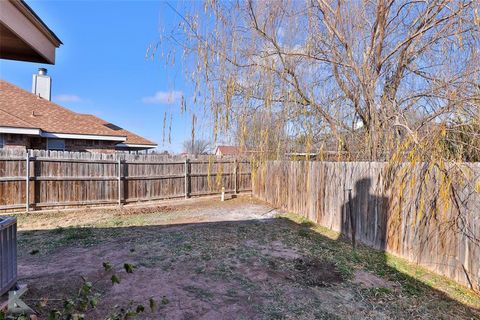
(136,145)
(37,21)
(59,135)
(87,136)
(30,39)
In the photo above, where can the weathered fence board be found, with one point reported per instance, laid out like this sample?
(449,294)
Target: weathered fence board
(406,219)
(76,179)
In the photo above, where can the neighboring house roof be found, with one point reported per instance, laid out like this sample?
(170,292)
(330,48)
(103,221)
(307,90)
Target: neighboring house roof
(132,138)
(24,110)
(228,150)
(23,35)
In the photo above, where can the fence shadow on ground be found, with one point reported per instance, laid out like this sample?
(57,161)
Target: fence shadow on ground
(252,268)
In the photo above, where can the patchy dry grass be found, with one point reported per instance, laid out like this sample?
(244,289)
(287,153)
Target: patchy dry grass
(414,279)
(204,268)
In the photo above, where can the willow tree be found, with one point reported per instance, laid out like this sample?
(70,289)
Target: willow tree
(392,80)
(374,76)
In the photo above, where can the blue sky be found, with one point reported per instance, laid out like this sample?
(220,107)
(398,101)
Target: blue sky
(102,69)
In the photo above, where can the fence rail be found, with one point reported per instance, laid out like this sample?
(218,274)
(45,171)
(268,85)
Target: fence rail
(408,220)
(41,179)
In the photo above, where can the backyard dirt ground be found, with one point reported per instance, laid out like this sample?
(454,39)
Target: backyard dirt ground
(206,259)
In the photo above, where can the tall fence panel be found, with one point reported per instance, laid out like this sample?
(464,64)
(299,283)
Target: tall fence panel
(48,179)
(12,181)
(397,209)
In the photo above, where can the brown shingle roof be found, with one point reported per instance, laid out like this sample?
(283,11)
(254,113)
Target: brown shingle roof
(22,109)
(228,150)
(132,138)
(11,119)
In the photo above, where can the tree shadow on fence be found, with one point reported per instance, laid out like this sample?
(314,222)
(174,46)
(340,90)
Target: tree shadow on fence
(365,220)
(364,216)
(252,268)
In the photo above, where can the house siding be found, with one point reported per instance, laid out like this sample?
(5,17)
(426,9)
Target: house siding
(15,142)
(22,142)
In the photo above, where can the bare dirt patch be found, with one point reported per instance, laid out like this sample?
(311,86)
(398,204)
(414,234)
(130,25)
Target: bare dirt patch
(369,280)
(168,212)
(198,266)
(316,272)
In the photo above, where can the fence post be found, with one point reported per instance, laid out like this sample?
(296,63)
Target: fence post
(33,175)
(235,184)
(119,165)
(27,182)
(187,179)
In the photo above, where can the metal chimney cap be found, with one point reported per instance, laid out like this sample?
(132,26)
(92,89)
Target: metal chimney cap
(42,71)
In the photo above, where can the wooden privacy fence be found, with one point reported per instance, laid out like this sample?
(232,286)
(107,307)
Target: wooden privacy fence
(407,219)
(42,179)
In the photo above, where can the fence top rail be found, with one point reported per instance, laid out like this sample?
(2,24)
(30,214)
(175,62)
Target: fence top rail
(12,159)
(153,162)
(114,161)
(11,178)
(217,161)
(206,161)
(362,162)
(170,176)
(48,159)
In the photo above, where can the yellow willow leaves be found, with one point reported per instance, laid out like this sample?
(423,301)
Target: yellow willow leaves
(443,131)
(477,186)
(205,59)
(209,171)
(307,185)
(229,92)
(164,127)
(219,174)
(399,184)
(183,105)
(227,119)
(215,123)
(254,166)
(308,146)
(420,206)
(400,151)
(413,182)
(170,129)
(264,133)
(444,193)
(193,129)
(279,150)
(243,129)
(339,149)
(413,156)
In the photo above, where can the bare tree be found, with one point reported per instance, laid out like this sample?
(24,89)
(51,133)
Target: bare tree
(197,147)
(328,66)
(384,80)
(262,132)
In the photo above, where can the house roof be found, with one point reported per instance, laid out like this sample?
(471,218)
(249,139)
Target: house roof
(22,109)
(228,150)
(132,138)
